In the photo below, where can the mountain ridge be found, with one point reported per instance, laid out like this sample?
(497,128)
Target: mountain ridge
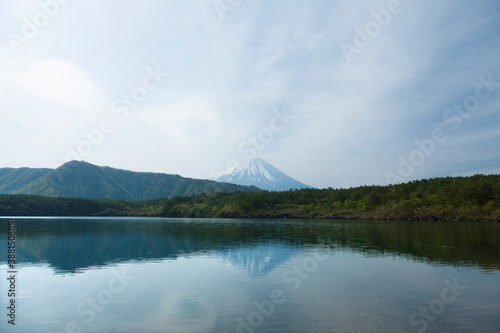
(14,178)
(86,180)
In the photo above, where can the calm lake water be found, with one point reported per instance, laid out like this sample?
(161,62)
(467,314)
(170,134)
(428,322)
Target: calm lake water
(221,275)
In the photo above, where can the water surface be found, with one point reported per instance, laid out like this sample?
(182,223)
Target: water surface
(220,275)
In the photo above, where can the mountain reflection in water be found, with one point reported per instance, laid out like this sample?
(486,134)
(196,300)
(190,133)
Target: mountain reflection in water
(257,246)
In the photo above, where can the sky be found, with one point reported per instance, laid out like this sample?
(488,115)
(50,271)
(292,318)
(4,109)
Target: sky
(335,93)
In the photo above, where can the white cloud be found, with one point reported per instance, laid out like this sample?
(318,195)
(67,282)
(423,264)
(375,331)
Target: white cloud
(186,124)
(59,82)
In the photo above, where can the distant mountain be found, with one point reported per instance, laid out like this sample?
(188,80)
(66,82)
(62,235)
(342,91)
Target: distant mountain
(12,179)
(82,179)
(257,172)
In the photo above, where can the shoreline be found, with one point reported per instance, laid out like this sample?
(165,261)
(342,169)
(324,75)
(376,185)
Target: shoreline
(270,217)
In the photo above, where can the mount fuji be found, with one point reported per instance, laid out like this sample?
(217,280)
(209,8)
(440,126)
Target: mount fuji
(256,171)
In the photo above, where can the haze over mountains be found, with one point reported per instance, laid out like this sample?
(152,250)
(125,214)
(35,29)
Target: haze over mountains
(256,171)
(82,179)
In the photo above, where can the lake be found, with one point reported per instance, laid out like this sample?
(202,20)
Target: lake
(223,275)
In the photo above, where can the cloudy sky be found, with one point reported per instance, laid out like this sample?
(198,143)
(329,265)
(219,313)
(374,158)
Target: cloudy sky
(334,93)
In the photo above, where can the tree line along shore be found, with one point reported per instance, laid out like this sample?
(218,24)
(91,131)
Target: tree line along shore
(474,198)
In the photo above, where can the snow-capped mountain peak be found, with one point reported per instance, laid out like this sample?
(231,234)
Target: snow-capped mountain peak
(256,171)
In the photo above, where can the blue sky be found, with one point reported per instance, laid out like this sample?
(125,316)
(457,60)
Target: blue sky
(333,93)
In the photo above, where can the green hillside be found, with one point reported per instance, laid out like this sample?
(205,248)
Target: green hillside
(12,179)
(82,179)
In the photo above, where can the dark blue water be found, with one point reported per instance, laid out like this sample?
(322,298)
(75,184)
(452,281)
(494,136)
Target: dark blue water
(213,275)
